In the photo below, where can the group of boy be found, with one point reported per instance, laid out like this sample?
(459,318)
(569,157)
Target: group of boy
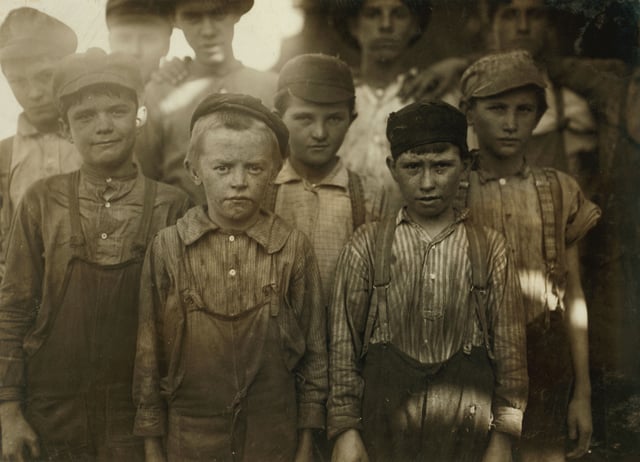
(244,331)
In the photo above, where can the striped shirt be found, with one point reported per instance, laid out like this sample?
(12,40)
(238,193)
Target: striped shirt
(233,273)
(429,299)
(323,213)
(511,206)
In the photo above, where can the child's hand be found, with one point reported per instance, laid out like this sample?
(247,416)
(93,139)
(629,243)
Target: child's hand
(499,448)
(433,82)
(172,72)
(580,426)
(17,434)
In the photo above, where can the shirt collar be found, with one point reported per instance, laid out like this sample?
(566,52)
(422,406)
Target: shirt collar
(338,176)
(269,231)
(94,178)
(26,128)
(484,175)
(404,217)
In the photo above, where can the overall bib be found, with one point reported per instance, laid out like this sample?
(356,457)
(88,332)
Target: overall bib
(421,412)
(234,397)
(79,379)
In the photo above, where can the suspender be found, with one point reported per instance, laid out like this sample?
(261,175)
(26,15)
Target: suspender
(6,154)
(356,195)
(378,301)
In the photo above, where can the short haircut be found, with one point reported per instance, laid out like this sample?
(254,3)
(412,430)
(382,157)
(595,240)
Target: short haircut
(347,10)
(493,5)
(541,98)
(109,89)
(437,148)
(233,120)
(282,100)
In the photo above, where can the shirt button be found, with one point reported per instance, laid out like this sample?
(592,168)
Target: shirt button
(502,181)
(108,180)
(232,238)
(232,272)
(103,236)
(432,276)
(107,204)
(223,90)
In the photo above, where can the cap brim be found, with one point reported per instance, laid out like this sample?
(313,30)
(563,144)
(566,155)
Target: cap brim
(94,79)
(497,86)
(317,93)
(21,49)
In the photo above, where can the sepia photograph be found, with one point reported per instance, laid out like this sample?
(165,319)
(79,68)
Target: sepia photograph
(320,230)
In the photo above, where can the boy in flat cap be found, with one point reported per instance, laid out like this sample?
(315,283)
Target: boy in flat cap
(427,346)
(208,26)
(142,29)
(314,191)
(31,42)
(543,214)
(68,303)
(232,356)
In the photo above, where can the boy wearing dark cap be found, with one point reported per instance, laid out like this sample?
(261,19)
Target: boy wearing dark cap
(68,303)
(208,26)
(142,29)
(231,361)
(543,214)
(314,191)
(427,346)
(31,43)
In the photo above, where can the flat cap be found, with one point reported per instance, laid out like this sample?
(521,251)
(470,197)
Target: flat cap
(426,122)
(154,8)
(317,78)
(81,70)
(247,105)
(500,72)
(27,32)
(237,6)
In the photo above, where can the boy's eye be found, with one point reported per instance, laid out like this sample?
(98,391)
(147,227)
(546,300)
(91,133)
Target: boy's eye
(255,169)
(221,168)
(509,14)
(400,13)
(370,12)
(336,119)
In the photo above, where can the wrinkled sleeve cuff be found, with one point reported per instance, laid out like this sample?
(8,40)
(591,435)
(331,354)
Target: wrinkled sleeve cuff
(341,420)
(311,415)
(11,394)
(150,422)
(508,420)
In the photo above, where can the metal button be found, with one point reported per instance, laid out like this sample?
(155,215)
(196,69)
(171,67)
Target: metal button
(103,236)
(232,272)
(232,238)
(432,276)
(107,204)
(502,181)
(108,180)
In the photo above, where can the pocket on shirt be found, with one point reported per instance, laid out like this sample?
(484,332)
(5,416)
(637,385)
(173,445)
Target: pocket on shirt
(433,312)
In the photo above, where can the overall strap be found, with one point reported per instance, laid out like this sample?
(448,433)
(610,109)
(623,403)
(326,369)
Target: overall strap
(139,244)
(356,194)
(270,196)
(77,237)
(378,306)
(479,259)
(6,154)
(550,198)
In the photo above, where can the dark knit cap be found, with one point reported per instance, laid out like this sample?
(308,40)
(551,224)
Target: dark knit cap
(81,70)
(245,104)
(426,122)
(27,32)
(237,6)
(149,8)
(317,78)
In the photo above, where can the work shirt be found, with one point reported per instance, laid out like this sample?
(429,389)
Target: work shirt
(226,276)
(429,298)
(322,211)
(164,140)
(365,147)
(40,250)
(511,206)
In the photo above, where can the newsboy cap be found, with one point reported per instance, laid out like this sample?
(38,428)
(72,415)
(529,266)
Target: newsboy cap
(317,78)
(150,8)
(27,32)
(499,72)
(426,122)
(237,6)
(248,105)
(81,70)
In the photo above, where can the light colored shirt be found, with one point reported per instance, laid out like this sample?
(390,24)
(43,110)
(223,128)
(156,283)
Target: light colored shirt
(323,212)
(429,296)
(163,143)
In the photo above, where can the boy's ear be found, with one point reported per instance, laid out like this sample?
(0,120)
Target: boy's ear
(391,165)
(465,108)
(141,116)
(65,131)
(193,173)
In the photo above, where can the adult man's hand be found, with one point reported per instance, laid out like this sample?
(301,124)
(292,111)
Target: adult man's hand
(580,426)
(173,72)
(433,82)
(349,448)
(499,448)
(16,433)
